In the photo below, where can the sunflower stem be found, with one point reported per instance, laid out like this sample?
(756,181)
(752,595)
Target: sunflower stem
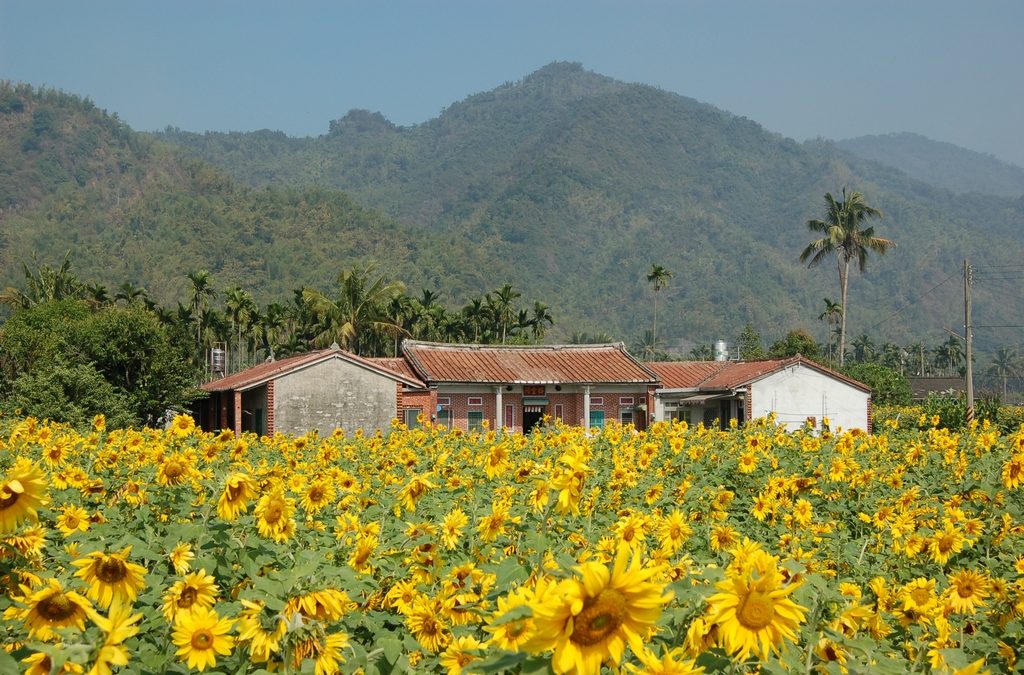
(809,657)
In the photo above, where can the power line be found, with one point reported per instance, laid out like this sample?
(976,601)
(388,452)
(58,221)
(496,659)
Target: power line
(910,302)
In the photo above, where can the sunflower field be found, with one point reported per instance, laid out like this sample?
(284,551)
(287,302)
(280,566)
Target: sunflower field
(675,550)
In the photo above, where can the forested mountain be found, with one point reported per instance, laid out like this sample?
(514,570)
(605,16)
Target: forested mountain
(941,164)
(567,184)
(133,209)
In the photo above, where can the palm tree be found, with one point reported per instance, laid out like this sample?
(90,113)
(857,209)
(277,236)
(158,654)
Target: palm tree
(916,350)
(503,308)
(360,307)
(476,313)
(702,353)
(831,315)
(240,311)
(201,294)
(842,234)
(541,316)
(863,349)
(658,276)
(1005,364)
(131,294)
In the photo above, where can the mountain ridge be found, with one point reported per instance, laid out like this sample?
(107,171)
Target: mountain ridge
(569,185)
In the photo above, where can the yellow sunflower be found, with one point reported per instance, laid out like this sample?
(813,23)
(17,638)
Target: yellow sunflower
(40,663)
(324,649)
(452,527)
(22,492)
(461,652)
(753,611)
(330,604)
(52,607)
(73,518)
(181,557)
(945,543)
(317,496)
(967,591)
(111,576)
(239,488)
(425,621)
(118,625)
(182,426)
(201,635)
(262,632)
(274,516)
(590,618)
(197,590)
(672,662)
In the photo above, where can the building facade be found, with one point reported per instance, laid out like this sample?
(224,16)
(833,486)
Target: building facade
(799,393)
(321,390)
(518,387)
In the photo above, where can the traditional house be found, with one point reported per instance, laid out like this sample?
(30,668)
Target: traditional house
(322,390)
(798,391)
(515,387)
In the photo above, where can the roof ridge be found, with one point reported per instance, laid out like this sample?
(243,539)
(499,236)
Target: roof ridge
(464,346)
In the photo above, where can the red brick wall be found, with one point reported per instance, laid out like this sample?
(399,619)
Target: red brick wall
(270,408)
(425,400)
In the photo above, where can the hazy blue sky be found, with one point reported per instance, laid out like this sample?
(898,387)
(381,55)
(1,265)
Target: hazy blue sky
(949,70)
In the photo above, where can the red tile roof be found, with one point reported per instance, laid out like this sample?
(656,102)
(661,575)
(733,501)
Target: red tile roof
(496,364)
(741,372)
(721,375)
(685,374)
(399,366)
(271,370)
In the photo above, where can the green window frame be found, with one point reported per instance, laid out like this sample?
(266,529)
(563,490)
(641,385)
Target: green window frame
(475,420)
(597,419)
(412,417)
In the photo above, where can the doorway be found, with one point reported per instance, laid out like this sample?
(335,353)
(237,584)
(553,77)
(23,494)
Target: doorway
(533,416)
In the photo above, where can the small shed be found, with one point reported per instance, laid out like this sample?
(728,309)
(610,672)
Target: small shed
(798,391)
(323,390)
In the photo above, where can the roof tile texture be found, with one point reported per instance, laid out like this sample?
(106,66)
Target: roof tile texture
(579,364)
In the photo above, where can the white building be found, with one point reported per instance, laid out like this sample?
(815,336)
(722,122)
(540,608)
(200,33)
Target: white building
(798,391)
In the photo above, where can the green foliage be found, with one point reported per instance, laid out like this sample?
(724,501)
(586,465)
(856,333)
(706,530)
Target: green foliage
(73,394)
(61,346)
(796,342)
(888,386)
(750,346)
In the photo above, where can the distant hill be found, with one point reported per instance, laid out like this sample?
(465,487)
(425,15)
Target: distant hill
(132,208)
(941,164)
(567,184)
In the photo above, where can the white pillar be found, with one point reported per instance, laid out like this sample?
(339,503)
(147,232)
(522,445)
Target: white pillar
(586,408)
(499,410)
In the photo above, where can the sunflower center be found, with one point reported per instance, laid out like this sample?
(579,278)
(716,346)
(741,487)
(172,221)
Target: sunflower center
(188,597)
(946,543)
(56,608)
(111,571)
(273,513)
(600,617)
(173,469)
(965,589)
(9,497)
(920,596)
(235,492)
(316,494)
(756,611)
(202,639)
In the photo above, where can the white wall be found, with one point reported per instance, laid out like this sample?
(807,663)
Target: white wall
(799,392)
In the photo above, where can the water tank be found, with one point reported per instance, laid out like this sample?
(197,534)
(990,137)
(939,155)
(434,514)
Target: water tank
(721,351)
(218,357)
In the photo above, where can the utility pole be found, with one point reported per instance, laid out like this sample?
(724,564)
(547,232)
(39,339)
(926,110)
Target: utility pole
(969,339)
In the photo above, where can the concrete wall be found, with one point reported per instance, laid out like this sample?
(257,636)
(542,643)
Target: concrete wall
(799,392)
(331,394)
